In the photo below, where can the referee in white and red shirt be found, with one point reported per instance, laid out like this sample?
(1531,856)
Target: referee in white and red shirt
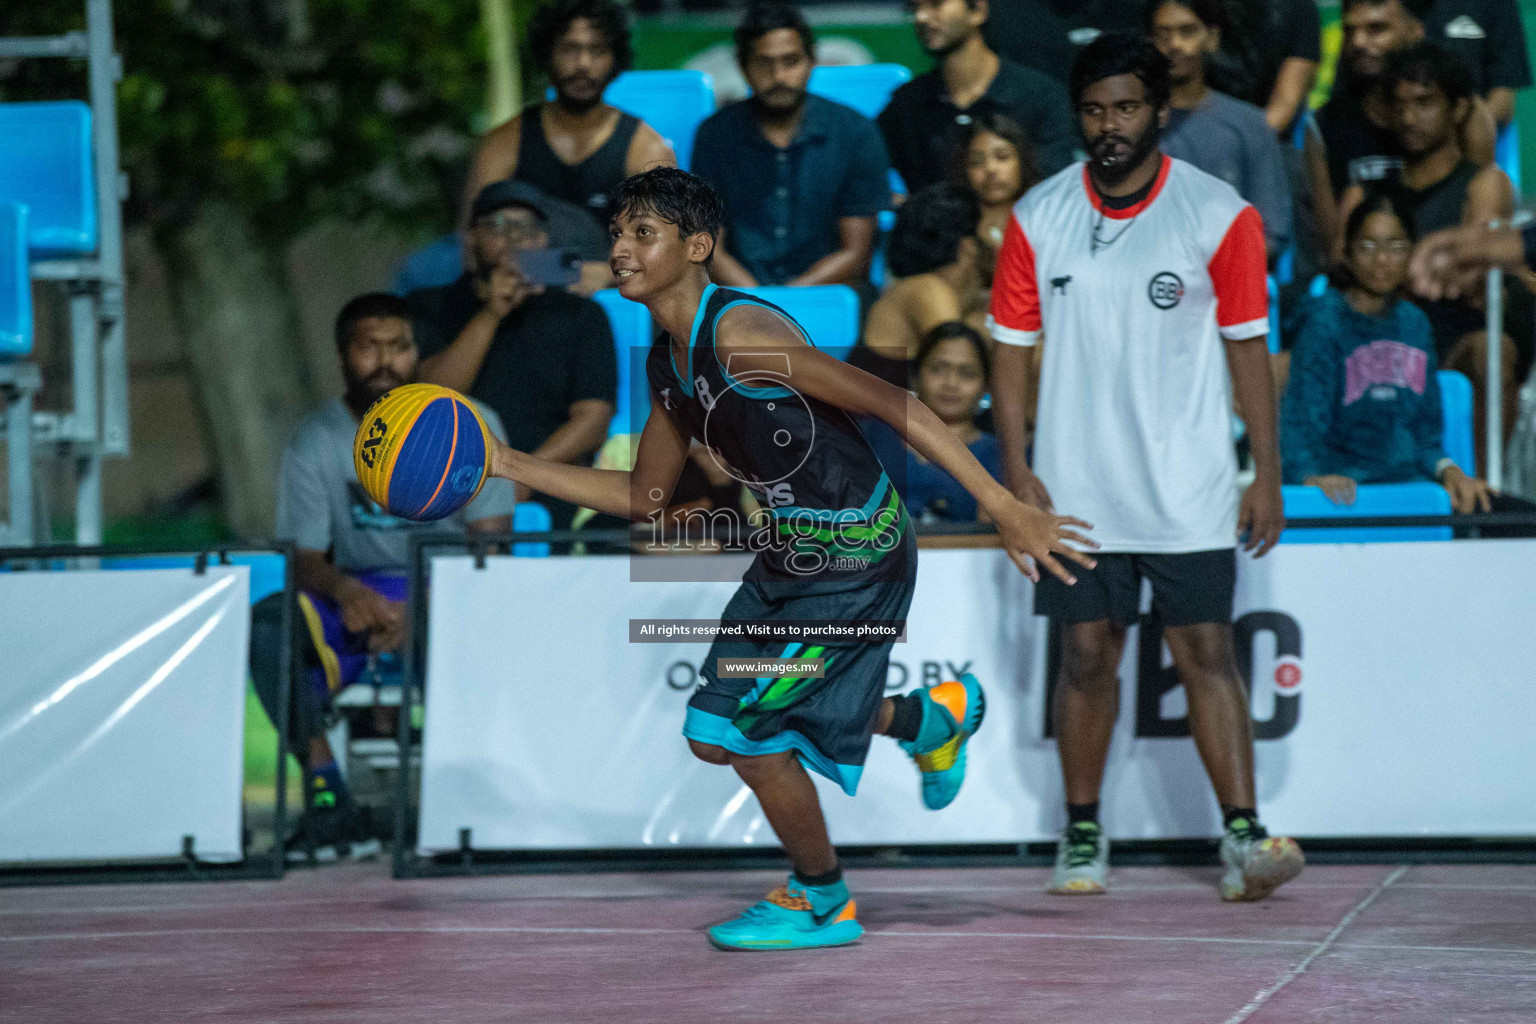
(1144,279)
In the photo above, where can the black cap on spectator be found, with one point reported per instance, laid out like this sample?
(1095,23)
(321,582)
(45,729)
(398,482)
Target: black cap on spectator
(499,195)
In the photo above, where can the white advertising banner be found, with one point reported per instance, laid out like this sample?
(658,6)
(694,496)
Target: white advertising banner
(1393,693)
(122,704)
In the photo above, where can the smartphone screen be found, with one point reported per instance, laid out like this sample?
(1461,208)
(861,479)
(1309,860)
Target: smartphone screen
(552,268)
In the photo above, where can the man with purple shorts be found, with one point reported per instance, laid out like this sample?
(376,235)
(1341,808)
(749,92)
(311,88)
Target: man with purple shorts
(351,558)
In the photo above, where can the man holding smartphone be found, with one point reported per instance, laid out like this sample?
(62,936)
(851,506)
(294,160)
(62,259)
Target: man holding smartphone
(509,334)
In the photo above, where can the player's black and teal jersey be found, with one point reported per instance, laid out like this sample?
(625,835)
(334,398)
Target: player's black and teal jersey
(830,509)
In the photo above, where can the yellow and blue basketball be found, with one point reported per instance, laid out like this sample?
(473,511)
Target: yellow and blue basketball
(422,451)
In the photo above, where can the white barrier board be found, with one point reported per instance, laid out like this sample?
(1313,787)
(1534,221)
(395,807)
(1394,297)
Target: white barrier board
(122,710)
(1393,691)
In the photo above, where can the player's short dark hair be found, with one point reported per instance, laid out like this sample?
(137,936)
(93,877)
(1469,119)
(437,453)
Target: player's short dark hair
(364,307)
(675,196)
(1418,8)
(930,227)
(992,122)
(763,18)
(552,20)
(1427,64)
(1122,53)
(955,329)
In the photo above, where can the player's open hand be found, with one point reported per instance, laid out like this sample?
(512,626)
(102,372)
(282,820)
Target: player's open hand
(1033,537)
(1261,516)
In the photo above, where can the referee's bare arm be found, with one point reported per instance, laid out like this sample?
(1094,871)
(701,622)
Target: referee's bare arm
(1015,325)
(762,342)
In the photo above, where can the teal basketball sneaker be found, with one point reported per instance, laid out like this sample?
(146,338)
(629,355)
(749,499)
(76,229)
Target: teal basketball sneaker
(952,712)
(794,916)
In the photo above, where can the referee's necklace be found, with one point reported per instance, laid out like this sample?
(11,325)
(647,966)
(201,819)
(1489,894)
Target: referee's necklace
(1096,240)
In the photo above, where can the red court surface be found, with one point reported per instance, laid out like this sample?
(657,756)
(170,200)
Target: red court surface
(1432,944)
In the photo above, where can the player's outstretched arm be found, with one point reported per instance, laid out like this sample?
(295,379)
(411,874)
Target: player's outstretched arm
(760,342)
(637,494)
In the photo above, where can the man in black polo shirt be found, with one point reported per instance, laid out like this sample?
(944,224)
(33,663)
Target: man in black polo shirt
(543,359)
(803,178)
(926,115)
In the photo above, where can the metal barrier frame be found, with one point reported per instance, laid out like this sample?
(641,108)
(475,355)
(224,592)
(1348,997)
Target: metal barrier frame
(407,863)
(257,865)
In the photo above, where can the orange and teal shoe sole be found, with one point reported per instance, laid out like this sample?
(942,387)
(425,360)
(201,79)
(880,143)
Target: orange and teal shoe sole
(943,769)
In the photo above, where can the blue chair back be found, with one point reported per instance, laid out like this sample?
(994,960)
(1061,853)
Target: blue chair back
(674,103)
(866,88)
(632,337)
(266,568)
(15,283)
(530,517)
(1421,498)
(432,266)
(1506,152)
(45,163)
(829,313)
(1456,412)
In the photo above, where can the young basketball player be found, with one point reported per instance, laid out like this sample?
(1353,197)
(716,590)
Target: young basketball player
(740,376)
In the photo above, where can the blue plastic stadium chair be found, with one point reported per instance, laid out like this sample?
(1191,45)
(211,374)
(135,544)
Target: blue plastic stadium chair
(1506,152)
(632,336)
(15,283)
(866,88)
(432,266)
(1421,498)
(45,163)
(829,313)
(674,103)
(1456,411)
(530,517)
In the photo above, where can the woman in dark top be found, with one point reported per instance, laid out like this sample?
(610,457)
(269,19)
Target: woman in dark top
(1363,402)
(950,374)
(994,160)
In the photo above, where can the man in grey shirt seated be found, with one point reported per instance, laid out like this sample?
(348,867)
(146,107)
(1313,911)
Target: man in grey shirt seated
(1219,134)
(351,557)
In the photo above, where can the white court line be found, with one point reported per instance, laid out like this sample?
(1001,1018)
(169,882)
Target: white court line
(923,935)
(1264,995)
(491,898)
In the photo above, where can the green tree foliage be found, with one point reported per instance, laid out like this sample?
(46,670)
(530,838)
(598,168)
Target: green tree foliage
(290,110)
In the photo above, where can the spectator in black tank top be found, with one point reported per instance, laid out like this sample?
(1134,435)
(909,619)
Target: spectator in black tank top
(1355,141)
(1431,94)
(575,148)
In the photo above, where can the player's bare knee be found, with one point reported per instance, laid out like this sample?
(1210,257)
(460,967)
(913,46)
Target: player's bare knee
(1089,656)
(709,752)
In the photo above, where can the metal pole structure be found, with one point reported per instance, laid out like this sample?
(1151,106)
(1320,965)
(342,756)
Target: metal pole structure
(106,70)
(504,88)
(1494,390)
(16,402)
(85,382)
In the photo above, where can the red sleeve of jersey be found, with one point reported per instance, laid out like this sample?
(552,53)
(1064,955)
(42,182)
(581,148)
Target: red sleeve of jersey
(1015,318)
(1238,274)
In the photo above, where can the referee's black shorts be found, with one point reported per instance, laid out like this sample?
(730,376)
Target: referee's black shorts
(1187,589)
